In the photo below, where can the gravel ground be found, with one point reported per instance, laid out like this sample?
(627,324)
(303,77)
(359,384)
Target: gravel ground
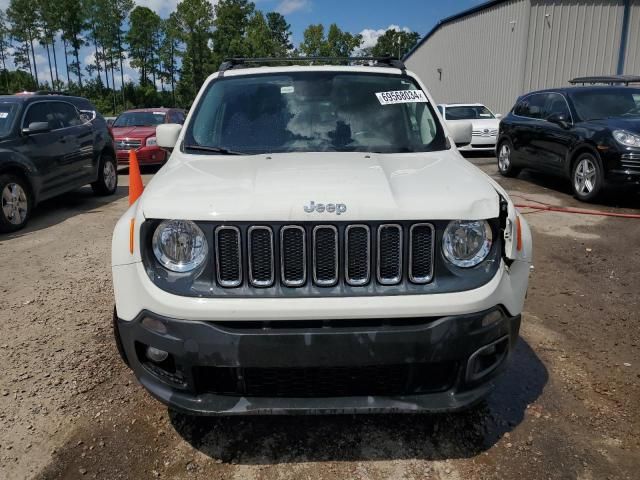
(568,407)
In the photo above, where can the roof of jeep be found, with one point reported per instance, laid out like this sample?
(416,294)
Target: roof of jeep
(307,68)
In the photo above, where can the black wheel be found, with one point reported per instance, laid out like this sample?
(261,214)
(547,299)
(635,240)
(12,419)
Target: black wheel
(505,165)
(107,182)
(587,178)
(16,203)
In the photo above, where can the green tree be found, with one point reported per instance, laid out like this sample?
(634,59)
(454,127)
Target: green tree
(395,43)
(313,43)
(258,41)
(169,52)
(336,44)
(24,28)
(194,19)
(280,32)
(141,37)
(72,24)
(231,22)
(5,43)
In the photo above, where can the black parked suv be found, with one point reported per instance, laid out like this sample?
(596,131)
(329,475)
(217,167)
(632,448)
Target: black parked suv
(589,134)
(50,144)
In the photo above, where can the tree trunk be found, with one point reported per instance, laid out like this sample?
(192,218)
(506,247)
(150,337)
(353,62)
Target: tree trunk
(124,101)
(55,59)
(96,54)
(66,61)
(33,55)
(173,87)
(46,45)
(4,66)
(106,67)
(113,80)
(77,55)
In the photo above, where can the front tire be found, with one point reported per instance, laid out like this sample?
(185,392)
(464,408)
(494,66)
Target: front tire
(15,203)
(505,163)
(587,177)
(107,182)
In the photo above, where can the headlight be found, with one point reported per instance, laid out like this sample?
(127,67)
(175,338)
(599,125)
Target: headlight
(627,139)
(151,142)
(466,243)
(180,245)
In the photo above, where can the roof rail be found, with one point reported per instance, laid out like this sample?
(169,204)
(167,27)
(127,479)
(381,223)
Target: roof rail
(242,62)
(606,80)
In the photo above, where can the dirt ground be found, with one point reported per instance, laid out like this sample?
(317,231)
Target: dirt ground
(568,407)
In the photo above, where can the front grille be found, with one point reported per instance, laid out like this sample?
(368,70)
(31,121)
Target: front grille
(421,251)
(358,255)
(128,144)
(631,161)
(492,132)
(293,256)
(389,254)
(324,255)
(261,255)
(387,380)
(229,256)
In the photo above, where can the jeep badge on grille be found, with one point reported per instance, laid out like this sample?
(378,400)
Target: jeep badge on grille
(337,208)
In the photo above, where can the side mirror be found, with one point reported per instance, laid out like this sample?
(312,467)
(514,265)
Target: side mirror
(167,134)
(36,127)
(460,132)
(559,119)
(498,116)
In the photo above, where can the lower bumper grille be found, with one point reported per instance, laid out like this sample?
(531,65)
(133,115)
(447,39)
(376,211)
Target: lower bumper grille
(385,380)
(631,161)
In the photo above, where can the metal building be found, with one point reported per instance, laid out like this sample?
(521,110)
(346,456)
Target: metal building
(501,49)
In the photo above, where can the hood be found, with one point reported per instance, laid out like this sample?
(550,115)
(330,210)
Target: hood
(630,124)
(278,187)
(133,132)
(480,124)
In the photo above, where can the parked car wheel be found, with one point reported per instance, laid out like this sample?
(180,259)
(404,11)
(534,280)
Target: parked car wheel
(587,177)
(16,203)
(505,165)
(107,182)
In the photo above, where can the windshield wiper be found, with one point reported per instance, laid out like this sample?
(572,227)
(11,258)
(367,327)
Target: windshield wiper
(219,150)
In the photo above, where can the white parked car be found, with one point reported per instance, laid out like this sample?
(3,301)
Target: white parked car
(485,123)
(317,243)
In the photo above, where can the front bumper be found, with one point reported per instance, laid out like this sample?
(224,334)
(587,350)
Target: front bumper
(430,364)
(145,155)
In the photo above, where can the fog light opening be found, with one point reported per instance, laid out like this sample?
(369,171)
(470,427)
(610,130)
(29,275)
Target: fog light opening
(486,359)
(156,355)
(492,317)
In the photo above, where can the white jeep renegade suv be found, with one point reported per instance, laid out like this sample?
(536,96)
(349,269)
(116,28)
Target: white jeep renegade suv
(317,243)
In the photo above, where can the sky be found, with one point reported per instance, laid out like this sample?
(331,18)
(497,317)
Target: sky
(371,18)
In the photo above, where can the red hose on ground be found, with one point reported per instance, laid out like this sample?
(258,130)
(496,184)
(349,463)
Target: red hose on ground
(551,208)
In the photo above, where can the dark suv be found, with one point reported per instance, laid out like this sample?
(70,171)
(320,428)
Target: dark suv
(50,144)
(590,135)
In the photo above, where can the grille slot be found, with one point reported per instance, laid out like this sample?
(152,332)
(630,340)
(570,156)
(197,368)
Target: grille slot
(357,255)
(325,255)
(339,381)
(421,251)
(261,257)
(389,254)
(228,256)
(631,161)
(293,255)
(128,144)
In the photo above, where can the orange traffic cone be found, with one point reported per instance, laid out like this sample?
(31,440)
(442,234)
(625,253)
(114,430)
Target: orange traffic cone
(135,179)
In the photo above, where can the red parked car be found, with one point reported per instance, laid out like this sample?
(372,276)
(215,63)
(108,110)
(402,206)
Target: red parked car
(136,130)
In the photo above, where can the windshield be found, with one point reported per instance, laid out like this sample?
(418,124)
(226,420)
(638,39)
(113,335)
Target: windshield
(608,102)
(468,112)
(8,112)
(139,119)
(314,112)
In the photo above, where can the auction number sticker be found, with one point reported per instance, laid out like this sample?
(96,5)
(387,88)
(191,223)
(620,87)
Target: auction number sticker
(401,96)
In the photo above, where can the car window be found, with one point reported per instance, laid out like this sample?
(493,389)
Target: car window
(315,111)
(65,114)
(532,106)
(606,102)
(8,112)
(39,112)
(557,105)
(468,112)
(139,119)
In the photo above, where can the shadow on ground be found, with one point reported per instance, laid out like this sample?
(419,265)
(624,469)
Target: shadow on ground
(267,440)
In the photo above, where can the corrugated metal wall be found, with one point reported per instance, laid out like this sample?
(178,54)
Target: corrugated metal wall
(632,57)
(481,57)
(496,54)
(572,38)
